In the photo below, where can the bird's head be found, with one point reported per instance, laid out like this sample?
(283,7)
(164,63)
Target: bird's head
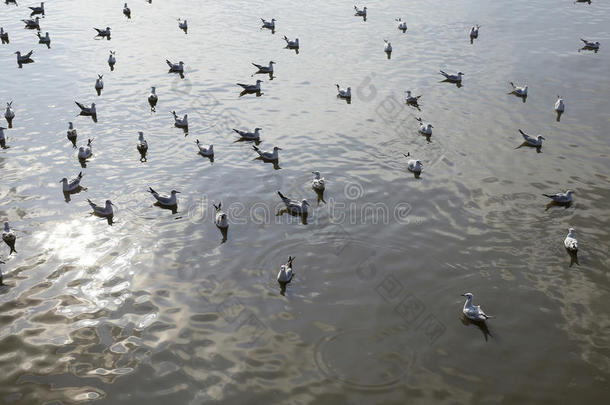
(461,74)
(64,180)
(276,148)
(259,81)
(92,105)
(539,137)
(175,192)
(304,202)
(467,295)
(271,62)
(570,192)
(109,203)
(257,129)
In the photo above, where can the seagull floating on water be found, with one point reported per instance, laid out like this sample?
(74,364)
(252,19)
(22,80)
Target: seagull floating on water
(9,114)
(318,183)
(519,91)
(175,67)
(424,128)
(38,10)
(473,312)
(24,58)
(402,25)
(414,100)
(561,198)
(99,83)
(105,211)
(570,241)
(103,33)
(360,12)
(142,145)
(44,40)
(590,44)
(294,206)
(265,69)
(251,87)
(344,93)
(387,47)
(537,141)
(9,237)
(152,97)
(250,136)
(72,184)
(285,273)
(85,152)
(71,133)
(32,24)
(183,25)
(84,110)
(3,36)
(457,78)
(167,201)
(292,44)
(560,105)
(474,31)
(181,122)
(112,59)
(416,166)
(268,24)
(220,219)
(207,152)
(268,155)
(126,11)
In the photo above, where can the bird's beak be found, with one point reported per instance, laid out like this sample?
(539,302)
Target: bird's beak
(177,192)
(463,295)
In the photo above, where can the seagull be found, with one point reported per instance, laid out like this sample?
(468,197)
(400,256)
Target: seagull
(220,219)
(207,152)
(102,211)
(387,47)
(142,145)
(268,155)
(537,142)
(453,78)
(3,35)
(181,122)
(265,69)
(360,12)
(473,312)
(126,11)
(85,152)
(99,84)
(559,105)
(344,93)
(112,58)
(24,58)
(474,31)
(175,67)
(285,273)
(71,132)
(269,24)
(292,44)
(402,25)
(38,10)
(9,237)
(35,23)
(72,184)
(9,114)
(294,206)
(570,241)
(103,33)
(519,91)
(318,183)
(152,98)
(183,25)
(590,44)
(251,136)
(251,87)
(44,40)
(425,129)
(168,201)
(561,198)
(416,166)
(86,110)
(412,99)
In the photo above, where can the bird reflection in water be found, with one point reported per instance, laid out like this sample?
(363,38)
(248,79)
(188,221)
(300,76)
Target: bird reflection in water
(481,325)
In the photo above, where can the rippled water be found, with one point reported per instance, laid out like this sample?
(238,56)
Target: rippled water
(155,308)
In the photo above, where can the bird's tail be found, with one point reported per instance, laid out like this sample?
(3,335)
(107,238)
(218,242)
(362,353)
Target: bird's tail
(286,38)
(237,131)
(548,195)
(289,262)
(443,73)
(258,66)
(255,148)
(79,105)
(282,196)
(80,175)
(522,133)
(197,141)
(583,40)
(338,87)
(150,190)
(513,85)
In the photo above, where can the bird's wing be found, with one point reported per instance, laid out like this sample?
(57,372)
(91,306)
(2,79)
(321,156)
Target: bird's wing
(258,66)
(82,107)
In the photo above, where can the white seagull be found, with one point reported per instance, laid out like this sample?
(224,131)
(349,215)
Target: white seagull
(127,11)
(457,78)
(99,83)
(251,136)
(24,58)
(416,166)
(424,128)
(168,201)
(104,32)
(85,152)
(181,122)
(588,44)
(9,114)
(44,40)
(412,99)
(152,97)
(220,219)
(265,69)
(112,58)
(72,184)
(318,183)
(71,131)
(402,25)
(387,47)
(344,93)
(142,145)
(474,31)
(251,87)
(9,237)
(537,141)
(292,44)
(268,155)
(268,24)
(175,67)
(86,110)
(560,105)
(360,12)
(570,241)
(207,152)
(294,206)
(285,273)
(473,312)
(105,211)
(519,91)
(35,23)
(183,25)
(561,198)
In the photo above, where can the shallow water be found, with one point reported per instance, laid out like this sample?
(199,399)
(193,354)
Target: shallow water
(155,308)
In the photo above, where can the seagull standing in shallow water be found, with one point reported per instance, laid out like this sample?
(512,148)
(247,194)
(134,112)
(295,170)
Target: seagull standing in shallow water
(570,241)
(473,312)
(72,184)
(168,201)
(318,183)
(268,155)
(207,152)
(537,141)
(294,206)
